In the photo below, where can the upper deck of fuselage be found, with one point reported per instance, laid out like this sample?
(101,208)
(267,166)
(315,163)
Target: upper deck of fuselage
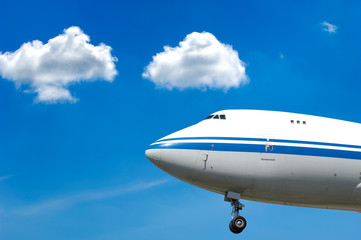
(259,124)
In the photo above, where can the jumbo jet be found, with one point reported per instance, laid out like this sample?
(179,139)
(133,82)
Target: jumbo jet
(267,156)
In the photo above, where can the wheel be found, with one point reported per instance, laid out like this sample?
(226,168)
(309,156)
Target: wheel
(238,224)
(232,229)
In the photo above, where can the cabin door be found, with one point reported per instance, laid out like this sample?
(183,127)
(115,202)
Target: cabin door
(267,178)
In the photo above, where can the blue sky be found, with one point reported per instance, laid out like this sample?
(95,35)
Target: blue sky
(77,169)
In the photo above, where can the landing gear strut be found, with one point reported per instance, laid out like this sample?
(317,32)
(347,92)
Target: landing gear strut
(238,223)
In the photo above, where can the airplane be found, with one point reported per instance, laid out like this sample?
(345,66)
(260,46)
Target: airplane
(267,156)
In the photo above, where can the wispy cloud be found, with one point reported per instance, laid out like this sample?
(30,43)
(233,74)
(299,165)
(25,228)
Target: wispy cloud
(71,199)
(2,178)
(200,61)
(48,69)
(328,27)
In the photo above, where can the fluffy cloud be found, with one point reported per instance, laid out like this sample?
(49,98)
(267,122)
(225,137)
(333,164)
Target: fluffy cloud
(200,61)
(48,69)
(328,27)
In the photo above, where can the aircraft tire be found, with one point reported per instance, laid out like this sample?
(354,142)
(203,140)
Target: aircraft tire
(237,224)
(232,229)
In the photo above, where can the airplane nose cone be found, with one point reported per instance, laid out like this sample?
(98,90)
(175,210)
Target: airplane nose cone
(153,155)
(173,161)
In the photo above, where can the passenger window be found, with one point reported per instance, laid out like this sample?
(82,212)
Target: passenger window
(223,116)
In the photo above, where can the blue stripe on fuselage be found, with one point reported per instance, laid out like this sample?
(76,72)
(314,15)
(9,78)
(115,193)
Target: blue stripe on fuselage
(239,147)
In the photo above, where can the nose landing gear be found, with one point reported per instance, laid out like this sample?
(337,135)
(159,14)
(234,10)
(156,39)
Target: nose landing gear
(238,223)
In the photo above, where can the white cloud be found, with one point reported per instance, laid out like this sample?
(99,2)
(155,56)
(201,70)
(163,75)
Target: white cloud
(48,69)
(67,201)
(328,27)
(200,61)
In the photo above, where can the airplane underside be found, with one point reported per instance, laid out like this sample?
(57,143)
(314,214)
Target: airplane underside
(271,178)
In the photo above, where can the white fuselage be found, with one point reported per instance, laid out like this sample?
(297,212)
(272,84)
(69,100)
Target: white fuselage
(268,156)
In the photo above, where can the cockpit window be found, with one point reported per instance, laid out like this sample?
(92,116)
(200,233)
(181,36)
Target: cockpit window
(213,116)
